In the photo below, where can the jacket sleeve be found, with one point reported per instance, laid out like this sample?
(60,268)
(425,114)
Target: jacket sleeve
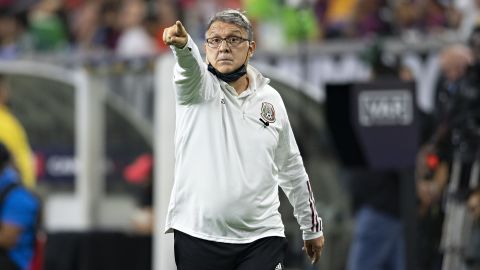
(191,79)
(294,181)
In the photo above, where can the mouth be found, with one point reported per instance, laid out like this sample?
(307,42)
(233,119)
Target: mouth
(224,61)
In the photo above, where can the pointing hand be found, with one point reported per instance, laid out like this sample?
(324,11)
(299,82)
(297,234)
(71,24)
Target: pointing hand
(175,35)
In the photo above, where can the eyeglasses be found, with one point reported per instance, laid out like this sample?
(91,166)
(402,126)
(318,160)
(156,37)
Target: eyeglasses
(232,41)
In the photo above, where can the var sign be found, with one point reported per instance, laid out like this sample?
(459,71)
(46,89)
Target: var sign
(386,125)
(385,108)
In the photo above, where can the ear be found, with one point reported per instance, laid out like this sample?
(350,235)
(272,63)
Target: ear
(251,48)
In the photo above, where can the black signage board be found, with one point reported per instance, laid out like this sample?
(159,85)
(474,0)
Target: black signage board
(374,125)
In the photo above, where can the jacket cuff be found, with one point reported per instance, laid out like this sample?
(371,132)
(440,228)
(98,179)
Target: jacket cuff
(309,235)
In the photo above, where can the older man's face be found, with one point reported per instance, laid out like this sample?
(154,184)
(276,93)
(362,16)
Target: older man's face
(227,58)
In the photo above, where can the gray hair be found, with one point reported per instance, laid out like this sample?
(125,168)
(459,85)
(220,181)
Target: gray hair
(235,17)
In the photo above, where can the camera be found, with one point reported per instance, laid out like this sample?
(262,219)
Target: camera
(464,116)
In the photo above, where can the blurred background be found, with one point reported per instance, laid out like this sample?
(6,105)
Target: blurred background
(383,96)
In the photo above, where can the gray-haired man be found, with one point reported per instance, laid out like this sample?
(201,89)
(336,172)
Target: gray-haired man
(234,147)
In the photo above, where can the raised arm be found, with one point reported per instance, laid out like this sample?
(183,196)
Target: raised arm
(190,73)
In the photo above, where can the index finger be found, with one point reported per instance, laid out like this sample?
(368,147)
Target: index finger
(180,28)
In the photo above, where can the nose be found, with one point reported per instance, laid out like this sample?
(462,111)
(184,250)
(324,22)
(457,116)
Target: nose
(223,47)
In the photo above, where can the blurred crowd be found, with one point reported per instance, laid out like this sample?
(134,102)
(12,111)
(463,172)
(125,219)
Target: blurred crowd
(134,28)
(130,28)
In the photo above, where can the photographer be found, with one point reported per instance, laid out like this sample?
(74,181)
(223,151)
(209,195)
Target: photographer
(457,142)
(472,249)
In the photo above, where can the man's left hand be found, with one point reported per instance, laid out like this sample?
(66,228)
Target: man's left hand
(313,248)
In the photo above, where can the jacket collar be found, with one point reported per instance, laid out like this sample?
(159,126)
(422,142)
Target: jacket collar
(257,80)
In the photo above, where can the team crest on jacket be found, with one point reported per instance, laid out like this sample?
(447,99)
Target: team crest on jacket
(267,112)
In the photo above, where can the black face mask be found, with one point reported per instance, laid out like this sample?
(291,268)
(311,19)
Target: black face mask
(229,77)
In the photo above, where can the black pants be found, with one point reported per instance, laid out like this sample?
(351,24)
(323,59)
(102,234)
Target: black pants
(197,254)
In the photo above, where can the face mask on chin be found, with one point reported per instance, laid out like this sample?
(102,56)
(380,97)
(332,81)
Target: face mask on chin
(228,77)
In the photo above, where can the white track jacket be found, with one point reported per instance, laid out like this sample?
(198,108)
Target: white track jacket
(229,162)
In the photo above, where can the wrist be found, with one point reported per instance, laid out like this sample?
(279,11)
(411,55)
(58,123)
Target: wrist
(309,235)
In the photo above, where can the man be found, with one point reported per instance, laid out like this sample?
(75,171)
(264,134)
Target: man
(18,218)
(234,147)
(15,139)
